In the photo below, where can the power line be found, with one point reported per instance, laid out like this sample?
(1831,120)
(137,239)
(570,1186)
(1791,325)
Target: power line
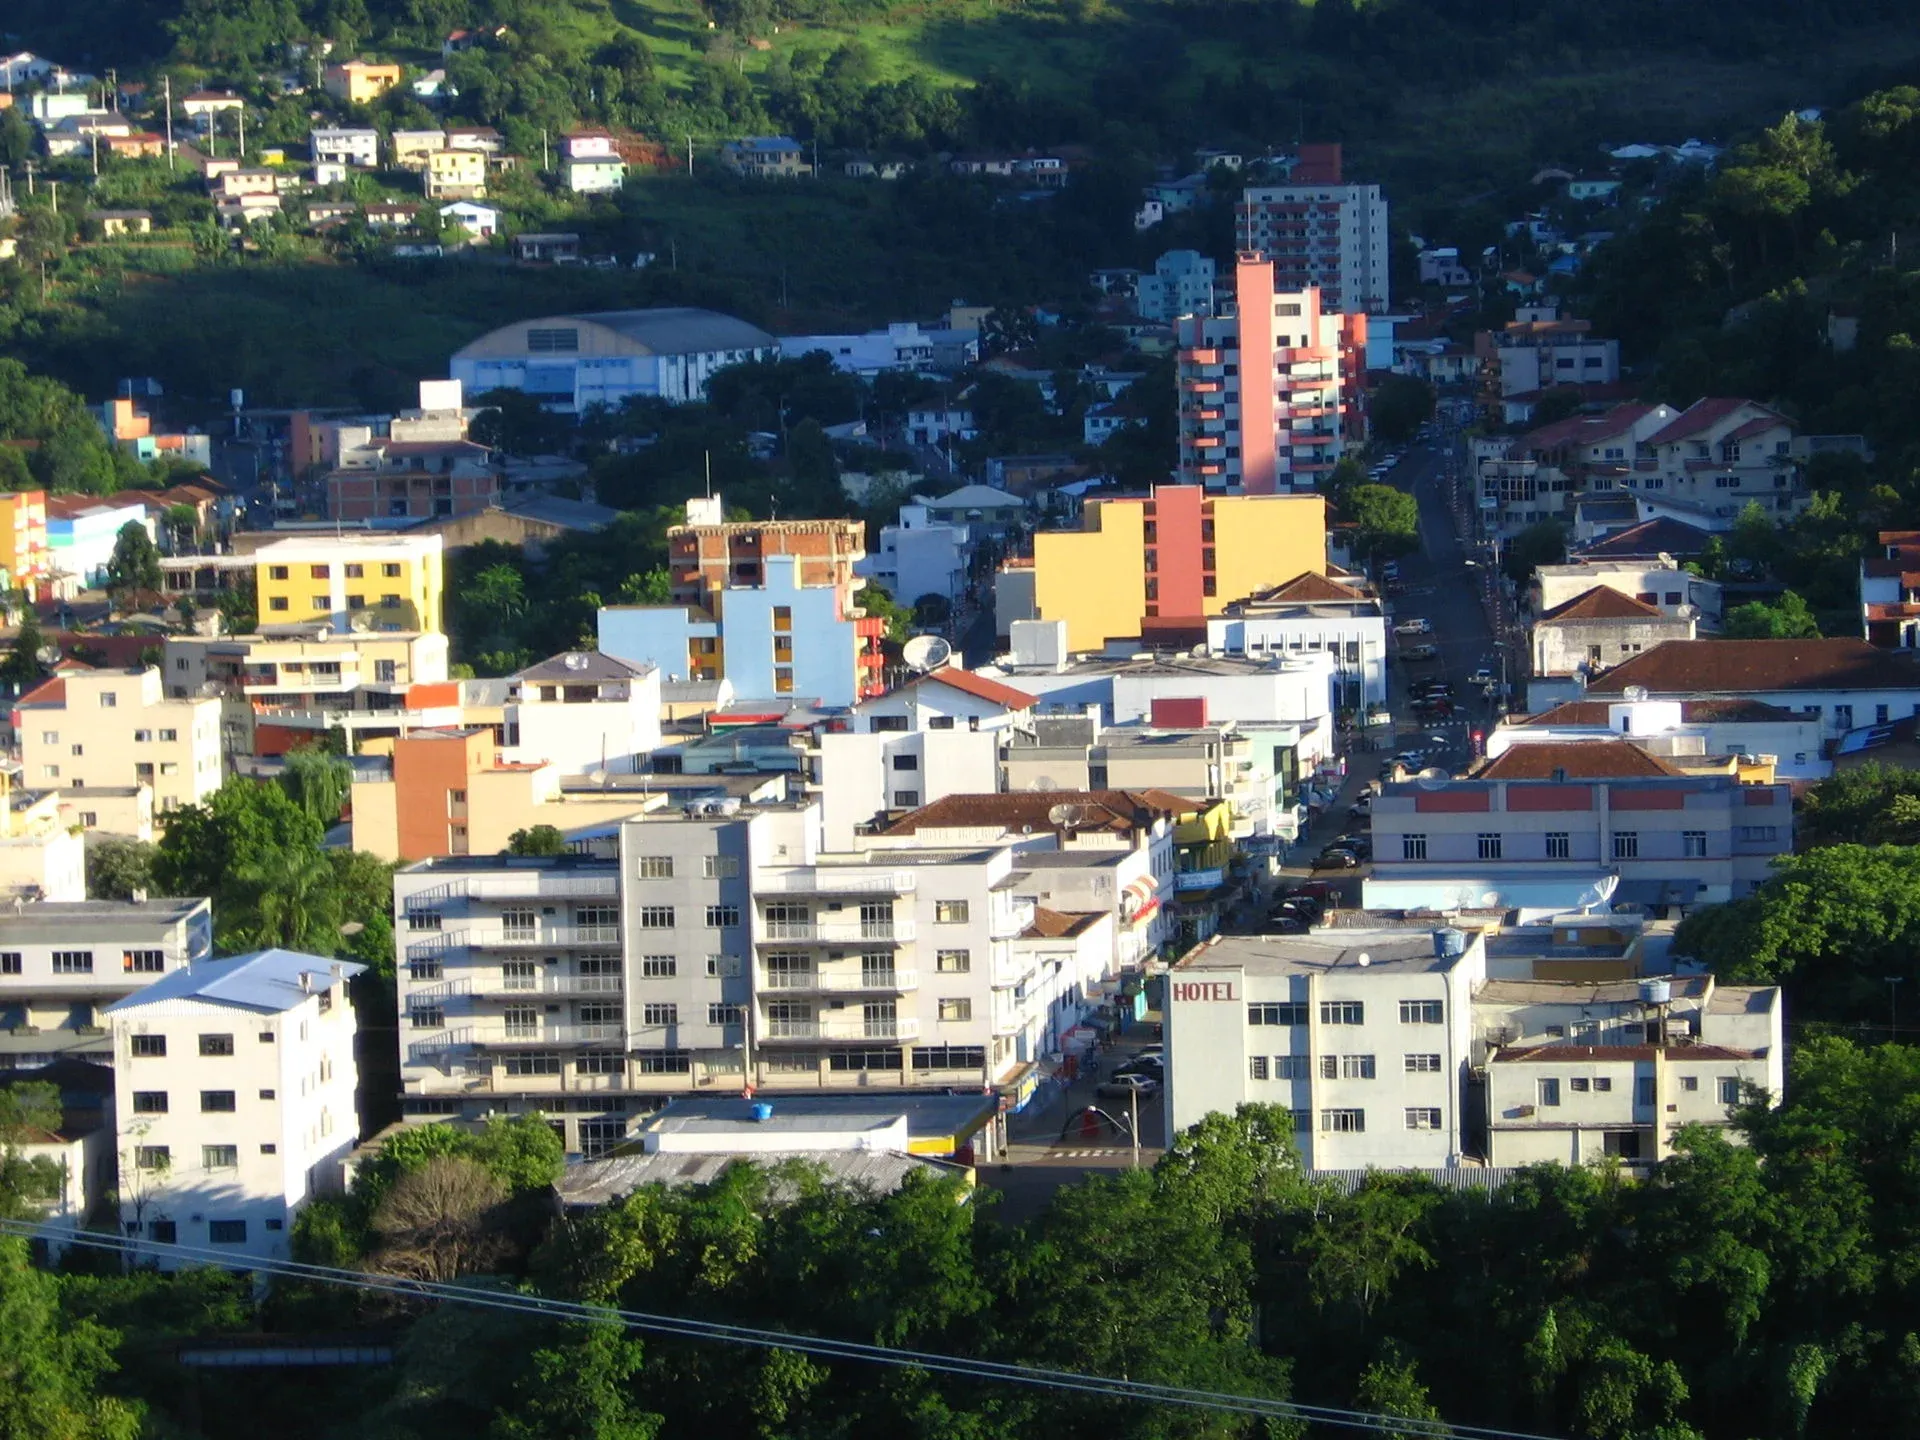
(685,1328)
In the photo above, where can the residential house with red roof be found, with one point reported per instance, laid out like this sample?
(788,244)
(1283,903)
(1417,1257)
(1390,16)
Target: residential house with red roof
(1599,628)
(1714,459)
(1694,734)
(1890,591)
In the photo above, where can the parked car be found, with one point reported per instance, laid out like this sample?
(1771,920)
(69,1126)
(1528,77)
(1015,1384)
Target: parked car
(1305,906)
(1413,627)
(1421,652)
(1335,857)
(1483,677)
(1432,685)
(1361,807)
(1390,570)
(1320,890)
(1122,1087)
(1438,708)
(1287,925)
(1154,1070)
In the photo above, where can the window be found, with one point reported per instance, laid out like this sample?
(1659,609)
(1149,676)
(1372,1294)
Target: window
(553,341)
(163,1232)
(599,1014)
(1579,1085)
(152,1157)
(950,1057)
(1693,844)
(144,962)
(276,602)
(906,762)
(889,723)
(391,570)
(1548,1092)
(663,1062)
(10,961)
(1759,832)
(1842,716)
(266,1094)
(322,602)
(1423,1117)
(390,601)
(656,917)
(219,1157)
(1489,847)
(1356,1067)
(1626,845)
(723,967)
(227,1232)
(1343,1122)
(961,1009)
(723,1014)
(953,962)
(1421,1012)
(720,867)
(1643,1090)
(660,1014)
(149,1047)
(1421,1064)
(533,1065)
(49,737)
(423,919)
(1689,1082)
(320,572)
(108,700)
(1292,1067)
(1281,1014)
(722,917)
(599,1062)
(1602,1085)
(1729,1089)
(216,1044)
(1256,1067)
(656,867)
(49,772)
(906,799)
(1413,847)
(1559,845)
(73,962)
(149,1102)
(1343,1012)
(658,967)
(77,749)
(217,1102)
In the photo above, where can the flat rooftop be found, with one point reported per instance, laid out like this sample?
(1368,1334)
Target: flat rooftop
(930,1117)
(489,864)
(1076,859)
(1397,952)
(65,917)
(614,1177)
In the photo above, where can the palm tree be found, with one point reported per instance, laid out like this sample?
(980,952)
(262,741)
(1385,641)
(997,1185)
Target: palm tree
(288,898)
(500,593)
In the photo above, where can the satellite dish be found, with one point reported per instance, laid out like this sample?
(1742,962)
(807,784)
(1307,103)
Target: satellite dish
(598,777)
(362,625)
(48,654)
(1043,782)
(1069,816)
(1432,776)
(1489,900)
(925,652)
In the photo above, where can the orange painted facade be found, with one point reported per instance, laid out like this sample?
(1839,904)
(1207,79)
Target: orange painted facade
(433,775)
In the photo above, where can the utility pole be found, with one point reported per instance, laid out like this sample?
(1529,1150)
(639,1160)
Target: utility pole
(167,81)
(113,90)
(242,113)
(689,154)
(94,135)
(53,189)
(543,148)
(1133,1122)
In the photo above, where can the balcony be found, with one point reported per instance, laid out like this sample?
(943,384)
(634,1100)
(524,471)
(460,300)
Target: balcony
(1205,413)
(839,982)
(847,881)
(536,885)
(1205,387)
(855,1031)
(539,937)
(839,932)
(1200,356)
(533,1037)
(1206,442)
(508,986)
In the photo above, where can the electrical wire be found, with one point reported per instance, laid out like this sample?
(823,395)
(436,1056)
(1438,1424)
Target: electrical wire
(826,1348)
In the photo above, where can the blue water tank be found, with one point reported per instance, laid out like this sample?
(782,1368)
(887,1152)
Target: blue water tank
(761,1111)
(1449,944)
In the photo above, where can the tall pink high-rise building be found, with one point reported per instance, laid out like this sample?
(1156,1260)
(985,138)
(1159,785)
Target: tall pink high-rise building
(1270,391)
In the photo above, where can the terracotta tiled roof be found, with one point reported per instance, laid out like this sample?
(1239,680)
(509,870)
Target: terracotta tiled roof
(1755,427)
(1056,924)
(1604,603)
(1307,587)
(1585,429)
(978,686)
(1702,415)
(1563,1054)
(1120,811)
(1748,667)
(1661,536)
(1692,712)
(1575,760)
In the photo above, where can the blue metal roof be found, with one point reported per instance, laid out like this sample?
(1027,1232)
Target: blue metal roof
(267,980)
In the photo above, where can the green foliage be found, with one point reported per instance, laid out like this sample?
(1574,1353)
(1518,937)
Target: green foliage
(538,840)
(1542,543)
(1398,407)
(52,1368)
(28,1111)
(1869,804)
(133,570)
(520,1151)
(1787,618)
(318,782)
(23,666)
(876,601)
(68,450)
(1386,521)
(116,867)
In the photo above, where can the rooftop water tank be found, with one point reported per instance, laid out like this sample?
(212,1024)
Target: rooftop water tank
(761,1111)
(1656,992)
(1449,943)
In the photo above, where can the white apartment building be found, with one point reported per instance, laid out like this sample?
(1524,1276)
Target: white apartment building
(345,146)
(720,948)
(107,730)
(43,855)
(917,557)
(234,1090)
(585,712)
(1365,1035)
(1181,284)
(1322,232)
(1679,728)
(1312,615)
(61,961)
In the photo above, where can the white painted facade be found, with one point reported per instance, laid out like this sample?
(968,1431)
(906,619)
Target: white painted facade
(599,723)
(350,146)
(1353,638)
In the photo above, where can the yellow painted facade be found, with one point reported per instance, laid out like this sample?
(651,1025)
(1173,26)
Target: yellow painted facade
(360,82)
(385,582)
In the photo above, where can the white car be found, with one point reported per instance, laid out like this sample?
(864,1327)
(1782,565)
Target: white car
(1414,627)
(1483,677)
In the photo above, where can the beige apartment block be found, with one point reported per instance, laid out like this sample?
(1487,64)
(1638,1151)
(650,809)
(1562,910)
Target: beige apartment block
(113,729)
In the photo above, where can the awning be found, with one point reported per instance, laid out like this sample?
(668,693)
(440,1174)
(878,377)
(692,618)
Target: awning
(1655,893)
(1139,900)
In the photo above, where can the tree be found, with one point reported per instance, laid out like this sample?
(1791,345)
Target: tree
(318,782)
(1339,483)
(648,587)
(133,570)
(28,1111)
(876,601)
(1398,407)
(239,607)
(538,840)
(1391,1387)
(500,594)
(579,1389)
(441,1221)
(815,472)
(53,1370)
(23,666)
(1542,543)
(1386,521)
(1787,618)
(1871,804)
(116,867)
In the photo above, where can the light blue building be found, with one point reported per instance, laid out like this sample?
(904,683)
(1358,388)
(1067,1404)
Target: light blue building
(772,639)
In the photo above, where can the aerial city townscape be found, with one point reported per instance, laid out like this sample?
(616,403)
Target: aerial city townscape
(965,720)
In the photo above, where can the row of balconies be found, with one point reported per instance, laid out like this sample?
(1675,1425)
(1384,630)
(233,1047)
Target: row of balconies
(837,932)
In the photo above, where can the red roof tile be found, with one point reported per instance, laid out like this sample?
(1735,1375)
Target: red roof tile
(1748,667)
(1692,712)
(1575,760)
(48,692)
(978,686)
(1119,811)
(1307,587)
(1604,603)
(1703,415)
(1057,924)
(1660,536)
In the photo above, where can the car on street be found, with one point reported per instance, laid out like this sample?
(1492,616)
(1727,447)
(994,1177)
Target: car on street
(1421,652)
(1390,570)
(1122,1087)
(1154,1069)
(1439,708)
(1413,627)
(1336,858)
(1483,677)
(1320,890)
(1361,808)
(1305,906)
(1287,925)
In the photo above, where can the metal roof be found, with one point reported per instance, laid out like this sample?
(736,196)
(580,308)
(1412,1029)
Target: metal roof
(269,981)
(603,1181)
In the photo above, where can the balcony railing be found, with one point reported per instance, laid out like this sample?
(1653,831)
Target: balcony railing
(535,885)
(539,936)
(853,1032)
(831,881)
(829,932)
(510,985)
(837,981)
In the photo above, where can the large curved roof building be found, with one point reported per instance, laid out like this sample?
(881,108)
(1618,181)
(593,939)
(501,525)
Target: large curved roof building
(572,361)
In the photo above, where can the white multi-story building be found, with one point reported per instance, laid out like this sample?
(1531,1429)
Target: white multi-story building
(584,712)
(347,146)
(919,556)
(1365,1035)
(234,1090)
(61,961)
(104,732)
(1319,230)
(1722,729)
(1181,284)
(1312,615)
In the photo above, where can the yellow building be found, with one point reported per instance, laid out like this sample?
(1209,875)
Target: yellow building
(372,582)
(24,557)
(360,82)
(1147,562)
(456,175)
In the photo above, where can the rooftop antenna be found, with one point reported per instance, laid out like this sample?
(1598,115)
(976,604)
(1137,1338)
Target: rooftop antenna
(709,461)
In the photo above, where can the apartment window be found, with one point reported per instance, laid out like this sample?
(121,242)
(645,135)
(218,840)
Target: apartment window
(320,572)
(949,1057)
(385,672)
(219,1157)
(656,917)
(906,799)
(389,601)
(1729,1090)
(656,867)
(217,1102)
(599,1014)
(953,962)
(276,602)
(49,772)
(227,1232)
(720,867)
(1547,1092)
(152,1157)
(144,962)
(10,962)
(782,619)
(1689,1082)
(890,723)
(321,602)
(149,1102)
(78,749)
(49,737)
(108,700)
(390,570)
(663,1013)
(73,962)
(1256,1067)
(1343,1122)
(1423,1117)
(950,912)
(783,679)
(1559,845)
(269,1148)
(1759,832)
(525,1065)
(1643,1090)
(1413,847)
(1421,1012)
(1343,1012)
(1626,845)
(722,917)
(1421,1064)
(723,1014)
(149,1047)
(663,1062)
(423,919)
(1277,1014)
(1292,1067)
(961,1009)
(1489,847)
(1693,844)
(1579,1085)
(1879,714)
(1329,1067)
(266,1094)
(599,1062)
(659,967)
(1602,1084)
(1356,1067)
(356,572)
(906,762)
(216,1044)
(723,967)
(1842,716)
